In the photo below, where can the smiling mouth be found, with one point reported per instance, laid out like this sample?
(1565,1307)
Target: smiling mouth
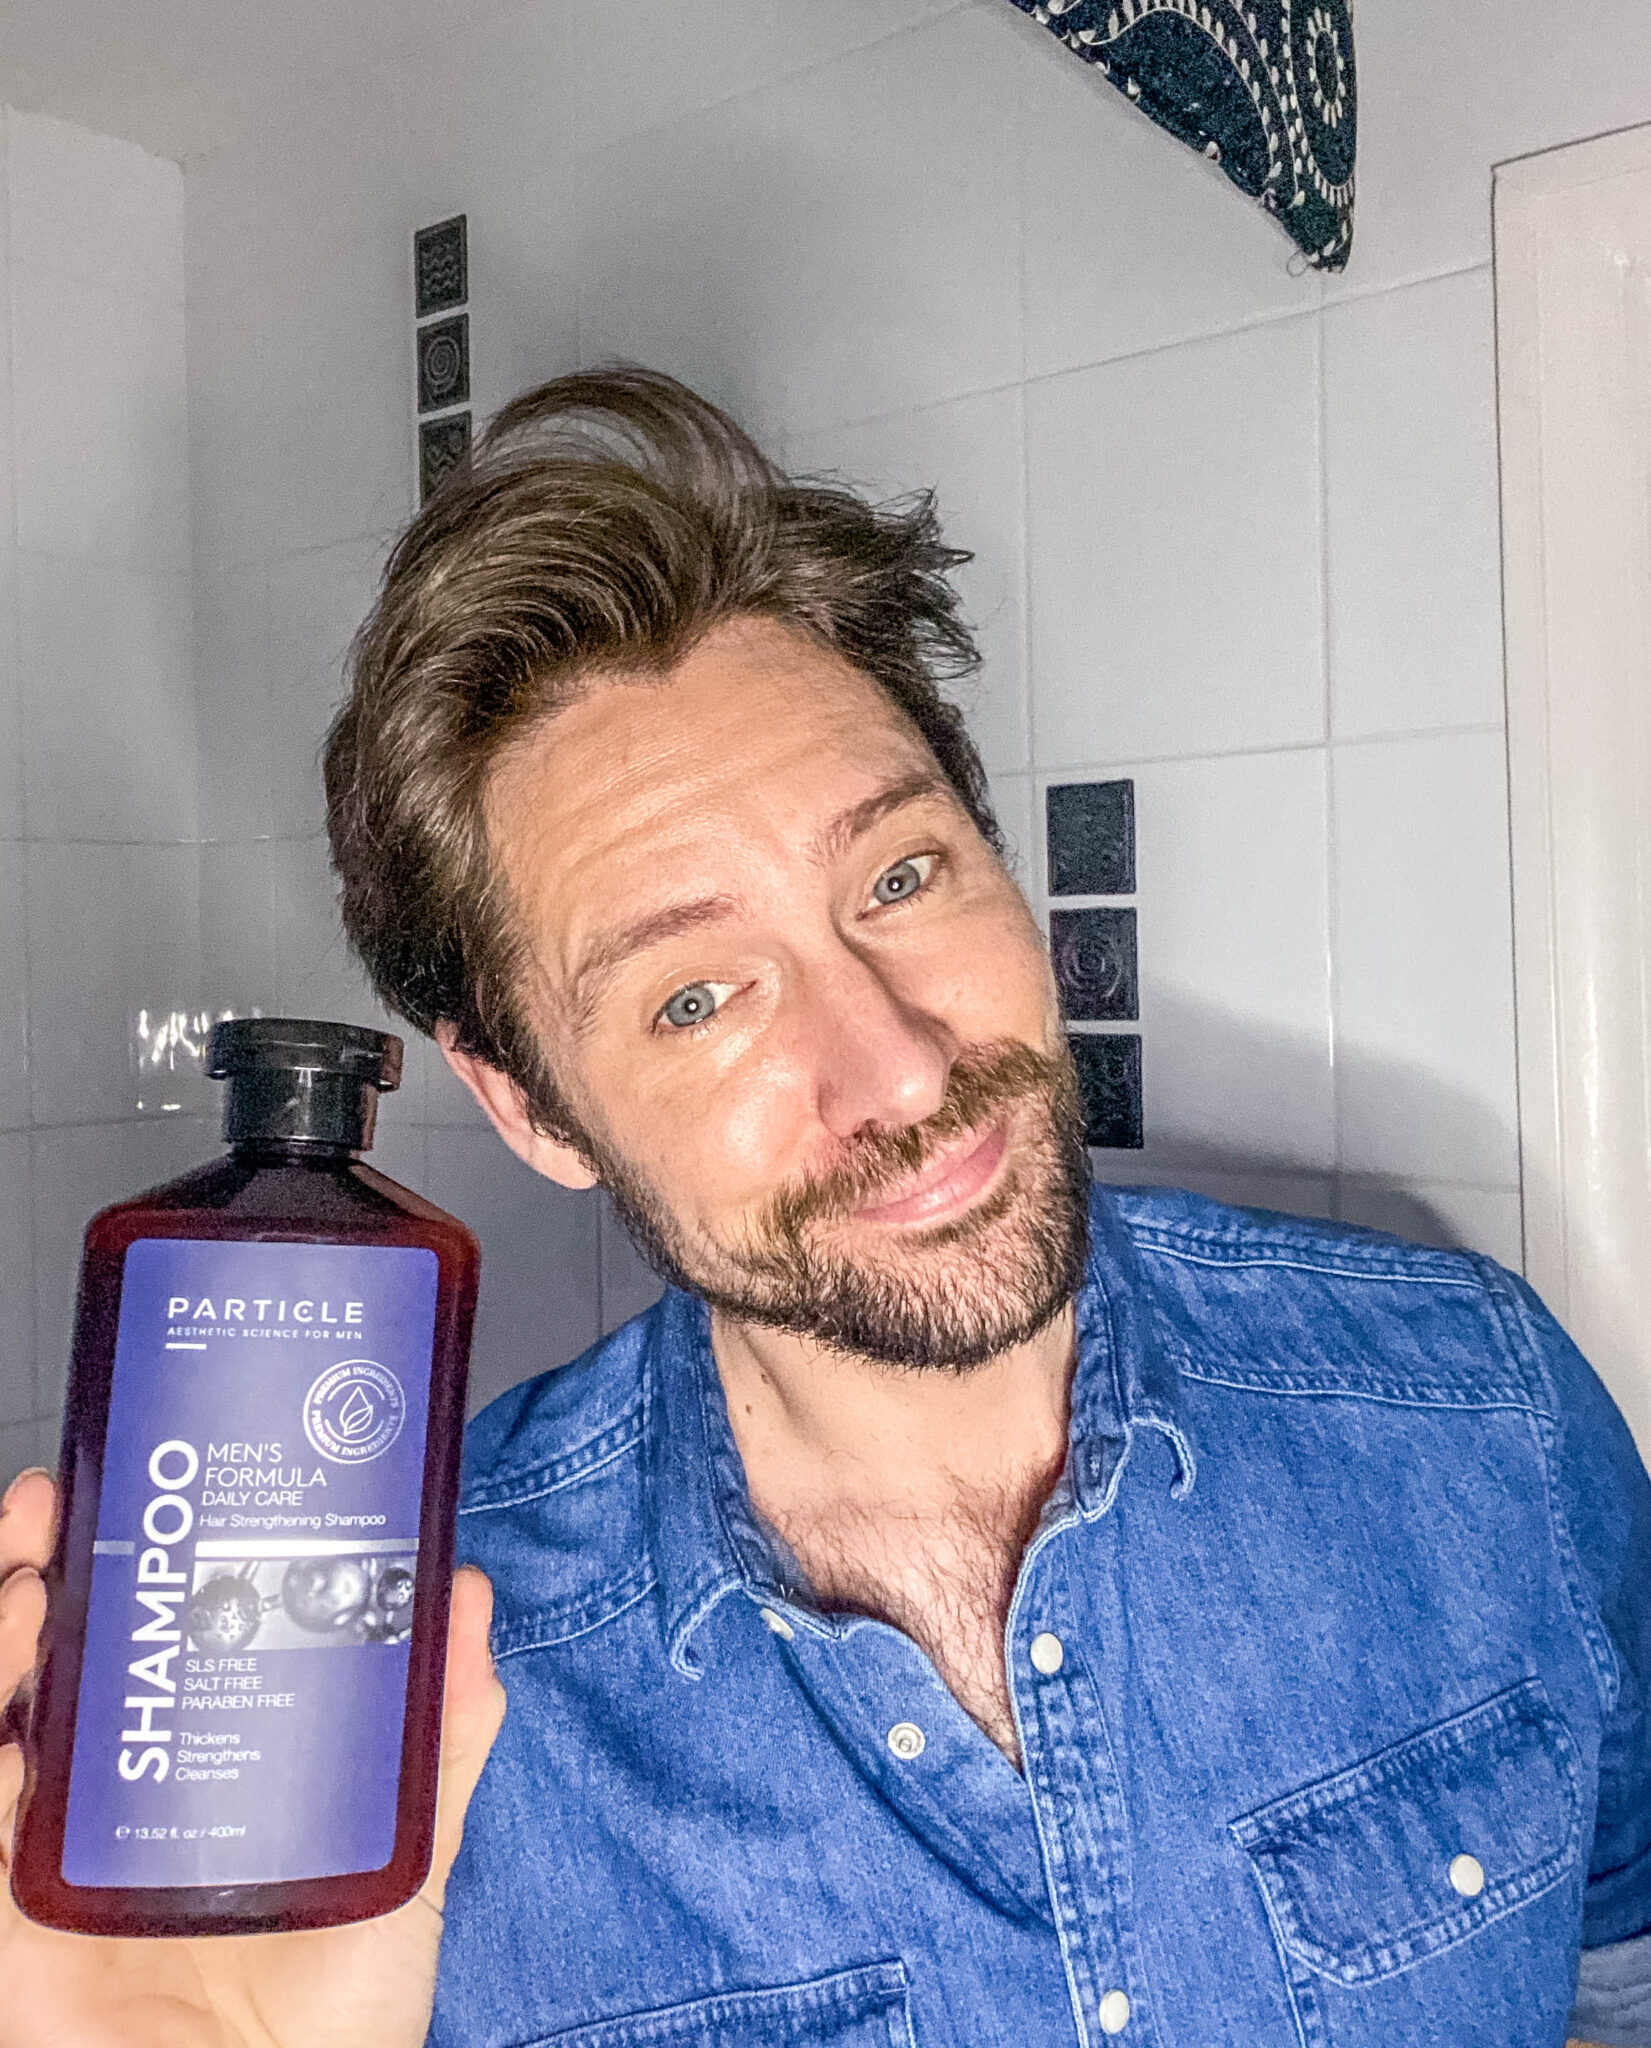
(948,1184)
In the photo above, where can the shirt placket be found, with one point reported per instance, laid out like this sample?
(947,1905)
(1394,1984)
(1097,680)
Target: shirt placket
(890,1710)
(1077,1796)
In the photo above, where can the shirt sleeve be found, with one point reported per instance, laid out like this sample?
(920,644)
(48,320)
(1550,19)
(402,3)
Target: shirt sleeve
(1613,1996)
(1603,1495)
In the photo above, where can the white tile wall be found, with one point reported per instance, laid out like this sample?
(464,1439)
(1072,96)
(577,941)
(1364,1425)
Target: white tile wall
(240,766)
(89,206)
(78,1170)
(540,1299)
(238,967)
(492,111)
(316,600)
(1435,1212)
(313,971)
(683,241)
(334,417)
(1415,589)
(23,1444)
(1014,803)
(17,1387)
(1235,973)
(1424,964)
(112,930)
(108,704)
(882,306)
(1108,272)
(11,717)
(14,983)
(525,243)
(1174,550)
(1424,160)
(1220,509)
(102,467)
(99,875)
(971,453)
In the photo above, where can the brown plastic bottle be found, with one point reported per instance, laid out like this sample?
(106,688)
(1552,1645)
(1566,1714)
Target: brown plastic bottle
(238,1719)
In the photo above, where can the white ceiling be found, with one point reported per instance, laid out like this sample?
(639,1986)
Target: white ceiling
(180,76)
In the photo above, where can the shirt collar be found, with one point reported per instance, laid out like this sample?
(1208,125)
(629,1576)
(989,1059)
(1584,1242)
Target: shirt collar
(705,1538)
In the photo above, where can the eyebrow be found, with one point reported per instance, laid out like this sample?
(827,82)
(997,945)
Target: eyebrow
(836,838)
(621,942)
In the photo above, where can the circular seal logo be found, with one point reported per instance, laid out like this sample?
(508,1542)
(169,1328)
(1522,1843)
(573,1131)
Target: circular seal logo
(354,1411)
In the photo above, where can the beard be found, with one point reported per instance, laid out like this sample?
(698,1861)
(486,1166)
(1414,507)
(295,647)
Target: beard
(945,1298)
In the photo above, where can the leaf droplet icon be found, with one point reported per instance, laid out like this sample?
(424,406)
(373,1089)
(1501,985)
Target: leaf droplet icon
(357,1414)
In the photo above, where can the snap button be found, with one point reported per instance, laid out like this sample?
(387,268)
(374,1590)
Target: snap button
(778,1623)
(906,1739)
(1114,2013)
(1048,1654)
(1467,1874)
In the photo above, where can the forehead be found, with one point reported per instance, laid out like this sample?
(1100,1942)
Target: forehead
(754,738)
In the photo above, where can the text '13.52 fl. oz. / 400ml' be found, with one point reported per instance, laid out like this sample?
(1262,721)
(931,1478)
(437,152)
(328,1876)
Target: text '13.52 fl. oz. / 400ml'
(238,1719)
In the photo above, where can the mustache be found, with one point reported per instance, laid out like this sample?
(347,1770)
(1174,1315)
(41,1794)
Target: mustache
(983,1080)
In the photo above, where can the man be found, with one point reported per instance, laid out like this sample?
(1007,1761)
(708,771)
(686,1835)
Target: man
(967,1609)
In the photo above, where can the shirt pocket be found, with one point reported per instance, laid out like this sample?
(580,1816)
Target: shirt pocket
(1413,1850)
(864,2008)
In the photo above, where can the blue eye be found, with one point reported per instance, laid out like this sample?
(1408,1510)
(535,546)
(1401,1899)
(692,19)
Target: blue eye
(904,879)
(696,1003)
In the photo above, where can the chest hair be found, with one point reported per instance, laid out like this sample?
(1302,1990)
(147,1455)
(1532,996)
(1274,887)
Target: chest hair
(943,1576)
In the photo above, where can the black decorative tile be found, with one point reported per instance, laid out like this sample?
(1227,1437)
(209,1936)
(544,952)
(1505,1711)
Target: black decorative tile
(1109,1079)
(1094,955)
(444,364)
(442,446)
(1091,838)
(441,267)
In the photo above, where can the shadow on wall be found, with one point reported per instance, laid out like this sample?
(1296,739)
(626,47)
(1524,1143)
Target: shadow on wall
(1248,1112)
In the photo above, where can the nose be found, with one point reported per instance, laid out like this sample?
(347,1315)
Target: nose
(878,1059)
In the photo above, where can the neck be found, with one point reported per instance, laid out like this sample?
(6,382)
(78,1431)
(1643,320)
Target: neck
(819,1428)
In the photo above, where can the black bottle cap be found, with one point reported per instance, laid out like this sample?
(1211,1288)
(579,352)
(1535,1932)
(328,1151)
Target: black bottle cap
(297,1080)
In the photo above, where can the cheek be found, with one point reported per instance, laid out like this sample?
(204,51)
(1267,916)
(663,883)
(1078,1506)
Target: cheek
(708,1139)
(991,982)
(756,1124)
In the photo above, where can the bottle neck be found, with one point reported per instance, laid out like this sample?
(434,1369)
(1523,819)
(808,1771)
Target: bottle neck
(293,1152)
(306,1108)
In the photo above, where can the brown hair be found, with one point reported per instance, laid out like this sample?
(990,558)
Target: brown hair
(607,521)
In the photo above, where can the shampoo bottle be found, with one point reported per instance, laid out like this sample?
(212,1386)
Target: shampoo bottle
(238,1718)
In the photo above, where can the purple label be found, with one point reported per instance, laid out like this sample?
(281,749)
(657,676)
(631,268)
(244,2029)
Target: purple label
(245,1675)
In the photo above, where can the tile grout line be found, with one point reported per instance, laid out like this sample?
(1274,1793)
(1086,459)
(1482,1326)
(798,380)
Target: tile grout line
(14,534)
(1191,338)
(578,154)
(1036,853)
(1124,763)
(1332,865)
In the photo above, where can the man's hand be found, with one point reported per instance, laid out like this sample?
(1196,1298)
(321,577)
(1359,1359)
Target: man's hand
(364,1986)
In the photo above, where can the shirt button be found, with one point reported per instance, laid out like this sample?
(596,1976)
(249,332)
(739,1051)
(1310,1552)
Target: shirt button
(1048,1654)
(778,1623)
(906,1739)
(1114,2013)
(1467,1874)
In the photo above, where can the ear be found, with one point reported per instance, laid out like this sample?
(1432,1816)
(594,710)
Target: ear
(506,1110)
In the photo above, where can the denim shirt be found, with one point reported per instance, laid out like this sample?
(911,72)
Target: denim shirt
(1330,1660)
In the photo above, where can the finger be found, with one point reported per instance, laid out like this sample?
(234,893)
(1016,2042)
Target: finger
(26,1517)
(11,1790)
(22,1617)
(472,1711)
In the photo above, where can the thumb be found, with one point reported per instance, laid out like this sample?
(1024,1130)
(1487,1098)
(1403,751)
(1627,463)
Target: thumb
(472,1711)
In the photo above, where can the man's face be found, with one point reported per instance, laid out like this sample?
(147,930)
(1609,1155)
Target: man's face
(802,1012)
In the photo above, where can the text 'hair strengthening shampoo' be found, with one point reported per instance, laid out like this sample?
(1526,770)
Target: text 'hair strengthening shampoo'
(239,1716)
